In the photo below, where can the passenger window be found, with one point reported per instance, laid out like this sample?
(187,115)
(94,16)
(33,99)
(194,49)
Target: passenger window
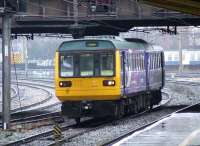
(130,62)
(160,60)
(138,62)
(150,58)
(143,61)
(156,60)
(133,67)
(107,65)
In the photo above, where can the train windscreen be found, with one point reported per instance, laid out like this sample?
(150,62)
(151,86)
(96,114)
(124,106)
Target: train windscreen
(87,64)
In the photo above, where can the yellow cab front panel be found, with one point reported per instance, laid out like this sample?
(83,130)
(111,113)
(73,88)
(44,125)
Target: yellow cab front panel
(88,88)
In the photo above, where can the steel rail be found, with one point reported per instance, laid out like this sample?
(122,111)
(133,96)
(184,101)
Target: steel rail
(49,96)
(106,123)
(65,128)
(111,142)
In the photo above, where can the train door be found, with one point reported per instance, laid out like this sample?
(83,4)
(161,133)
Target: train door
(124,72)
(163,68)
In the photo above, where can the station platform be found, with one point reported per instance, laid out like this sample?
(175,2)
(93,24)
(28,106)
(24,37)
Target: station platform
(180,129)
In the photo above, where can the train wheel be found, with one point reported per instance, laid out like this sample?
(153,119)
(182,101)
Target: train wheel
(151,107)
(119,111)
(78,120)
(136,108)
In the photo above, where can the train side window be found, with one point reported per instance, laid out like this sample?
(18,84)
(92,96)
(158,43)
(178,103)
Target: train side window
(143,61)
(150,60)
(66,66)
(133,59)
(135,65)
(139,65)
(159,59)
(158,66)
(130,62)
(138,62)
(135,62)
(136,56)
(156,63)
(107,68)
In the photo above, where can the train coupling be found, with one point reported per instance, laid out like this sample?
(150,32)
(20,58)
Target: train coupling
(86,105)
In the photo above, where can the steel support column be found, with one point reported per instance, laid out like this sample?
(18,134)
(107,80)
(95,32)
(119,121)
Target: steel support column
(25,49)
(180,54)
(6,79)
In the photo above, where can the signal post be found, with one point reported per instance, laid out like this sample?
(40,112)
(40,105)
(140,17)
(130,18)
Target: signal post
(6,14)
(6,79)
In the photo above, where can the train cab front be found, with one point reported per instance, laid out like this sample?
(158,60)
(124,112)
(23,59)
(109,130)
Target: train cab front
(88,80)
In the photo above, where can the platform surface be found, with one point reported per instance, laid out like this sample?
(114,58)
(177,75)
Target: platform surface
(181,129)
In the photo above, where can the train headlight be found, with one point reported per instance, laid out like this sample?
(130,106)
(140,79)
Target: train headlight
(109,83)
(65,83)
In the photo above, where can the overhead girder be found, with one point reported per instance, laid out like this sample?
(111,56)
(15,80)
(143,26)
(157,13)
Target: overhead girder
(185,6)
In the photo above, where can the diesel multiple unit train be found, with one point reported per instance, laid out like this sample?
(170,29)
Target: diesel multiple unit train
(101,77)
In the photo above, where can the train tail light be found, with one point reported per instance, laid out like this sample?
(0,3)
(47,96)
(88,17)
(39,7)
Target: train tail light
(65,83)
(109,83)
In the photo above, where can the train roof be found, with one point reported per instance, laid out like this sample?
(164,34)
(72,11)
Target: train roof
(104,44)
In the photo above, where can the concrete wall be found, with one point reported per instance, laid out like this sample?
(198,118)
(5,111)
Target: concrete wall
(49,7)
(62,8)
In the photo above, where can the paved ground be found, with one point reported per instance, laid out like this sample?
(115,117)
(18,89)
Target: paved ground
(178,130)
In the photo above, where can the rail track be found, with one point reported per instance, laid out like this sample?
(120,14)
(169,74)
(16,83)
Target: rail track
(183,109)
(180,109)
(15,93)
(48,97)
(33,121)
(94,124)
(35,86)
(98,125)
(39,118)
(43,85)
